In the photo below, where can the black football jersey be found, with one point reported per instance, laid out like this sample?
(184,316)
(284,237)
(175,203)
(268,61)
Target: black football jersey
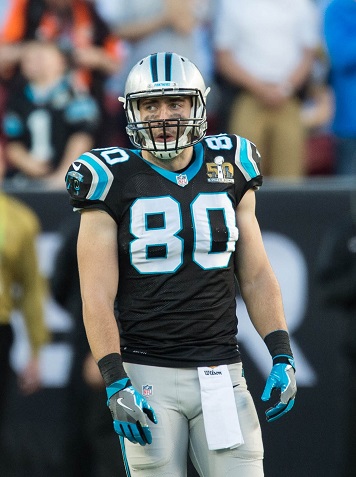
(44,123)
(176,238)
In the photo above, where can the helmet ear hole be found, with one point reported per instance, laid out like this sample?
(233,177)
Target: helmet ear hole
(165,74)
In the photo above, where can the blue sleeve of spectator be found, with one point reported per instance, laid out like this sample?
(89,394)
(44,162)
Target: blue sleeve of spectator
(340,44)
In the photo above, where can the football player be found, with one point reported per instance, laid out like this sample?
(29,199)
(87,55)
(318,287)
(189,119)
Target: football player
(168,229)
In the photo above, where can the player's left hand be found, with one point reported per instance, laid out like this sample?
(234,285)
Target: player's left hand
(281,378)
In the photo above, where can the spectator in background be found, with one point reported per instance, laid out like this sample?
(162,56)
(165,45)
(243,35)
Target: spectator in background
(11,32)
(10,49)
(153,25)
(149,26)
(317,112)
(21,287)
(265,48)
(78,30)
(92,447)
(336,276)
(46,122)
(340,38)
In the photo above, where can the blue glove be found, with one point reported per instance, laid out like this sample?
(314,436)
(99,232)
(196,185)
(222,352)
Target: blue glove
(282,378)
(129,410)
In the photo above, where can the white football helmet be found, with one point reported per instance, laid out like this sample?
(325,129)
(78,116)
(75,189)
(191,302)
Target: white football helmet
(165,74)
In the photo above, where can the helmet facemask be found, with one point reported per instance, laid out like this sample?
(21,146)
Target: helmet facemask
(187,131)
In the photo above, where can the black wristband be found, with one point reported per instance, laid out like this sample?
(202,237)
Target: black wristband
(111,368)
(278,343)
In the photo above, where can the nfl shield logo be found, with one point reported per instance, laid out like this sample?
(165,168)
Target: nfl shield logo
(182,180)
(147,390)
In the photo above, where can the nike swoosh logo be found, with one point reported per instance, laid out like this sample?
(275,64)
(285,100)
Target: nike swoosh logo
(75,167)
(236,385)
(122,404)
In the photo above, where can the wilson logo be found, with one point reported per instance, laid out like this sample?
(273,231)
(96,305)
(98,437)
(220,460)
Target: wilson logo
(212,373)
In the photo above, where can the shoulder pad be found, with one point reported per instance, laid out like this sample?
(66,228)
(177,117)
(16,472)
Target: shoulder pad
(247,158)
(89,178)
(243,152)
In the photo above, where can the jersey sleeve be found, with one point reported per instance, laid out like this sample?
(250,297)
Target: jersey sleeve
(13,126)
(13,121)
(88,183)
(247,160)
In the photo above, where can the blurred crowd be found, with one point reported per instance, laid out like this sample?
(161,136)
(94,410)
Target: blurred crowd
(283,74)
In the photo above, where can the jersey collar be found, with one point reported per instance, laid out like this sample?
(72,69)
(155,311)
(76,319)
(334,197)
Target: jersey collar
(179,177)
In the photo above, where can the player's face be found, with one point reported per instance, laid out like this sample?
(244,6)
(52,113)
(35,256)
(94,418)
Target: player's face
(165,108)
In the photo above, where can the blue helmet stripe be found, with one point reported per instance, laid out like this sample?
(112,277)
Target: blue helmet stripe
(154,70)
(168,66)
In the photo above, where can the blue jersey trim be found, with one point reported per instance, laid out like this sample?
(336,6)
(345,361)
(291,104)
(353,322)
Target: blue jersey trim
(245,159)
(191,172)
(103,177)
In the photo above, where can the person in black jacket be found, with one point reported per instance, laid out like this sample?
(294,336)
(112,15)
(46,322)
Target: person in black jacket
(336,276)
(92,448)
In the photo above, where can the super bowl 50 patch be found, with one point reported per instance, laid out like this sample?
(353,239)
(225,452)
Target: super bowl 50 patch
(220,171)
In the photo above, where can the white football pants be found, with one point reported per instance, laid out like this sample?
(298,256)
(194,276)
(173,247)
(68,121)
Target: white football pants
(174,395)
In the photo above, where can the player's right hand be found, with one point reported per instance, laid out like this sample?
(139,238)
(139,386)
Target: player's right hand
(129,410)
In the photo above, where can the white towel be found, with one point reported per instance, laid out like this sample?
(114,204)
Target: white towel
(221,421)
